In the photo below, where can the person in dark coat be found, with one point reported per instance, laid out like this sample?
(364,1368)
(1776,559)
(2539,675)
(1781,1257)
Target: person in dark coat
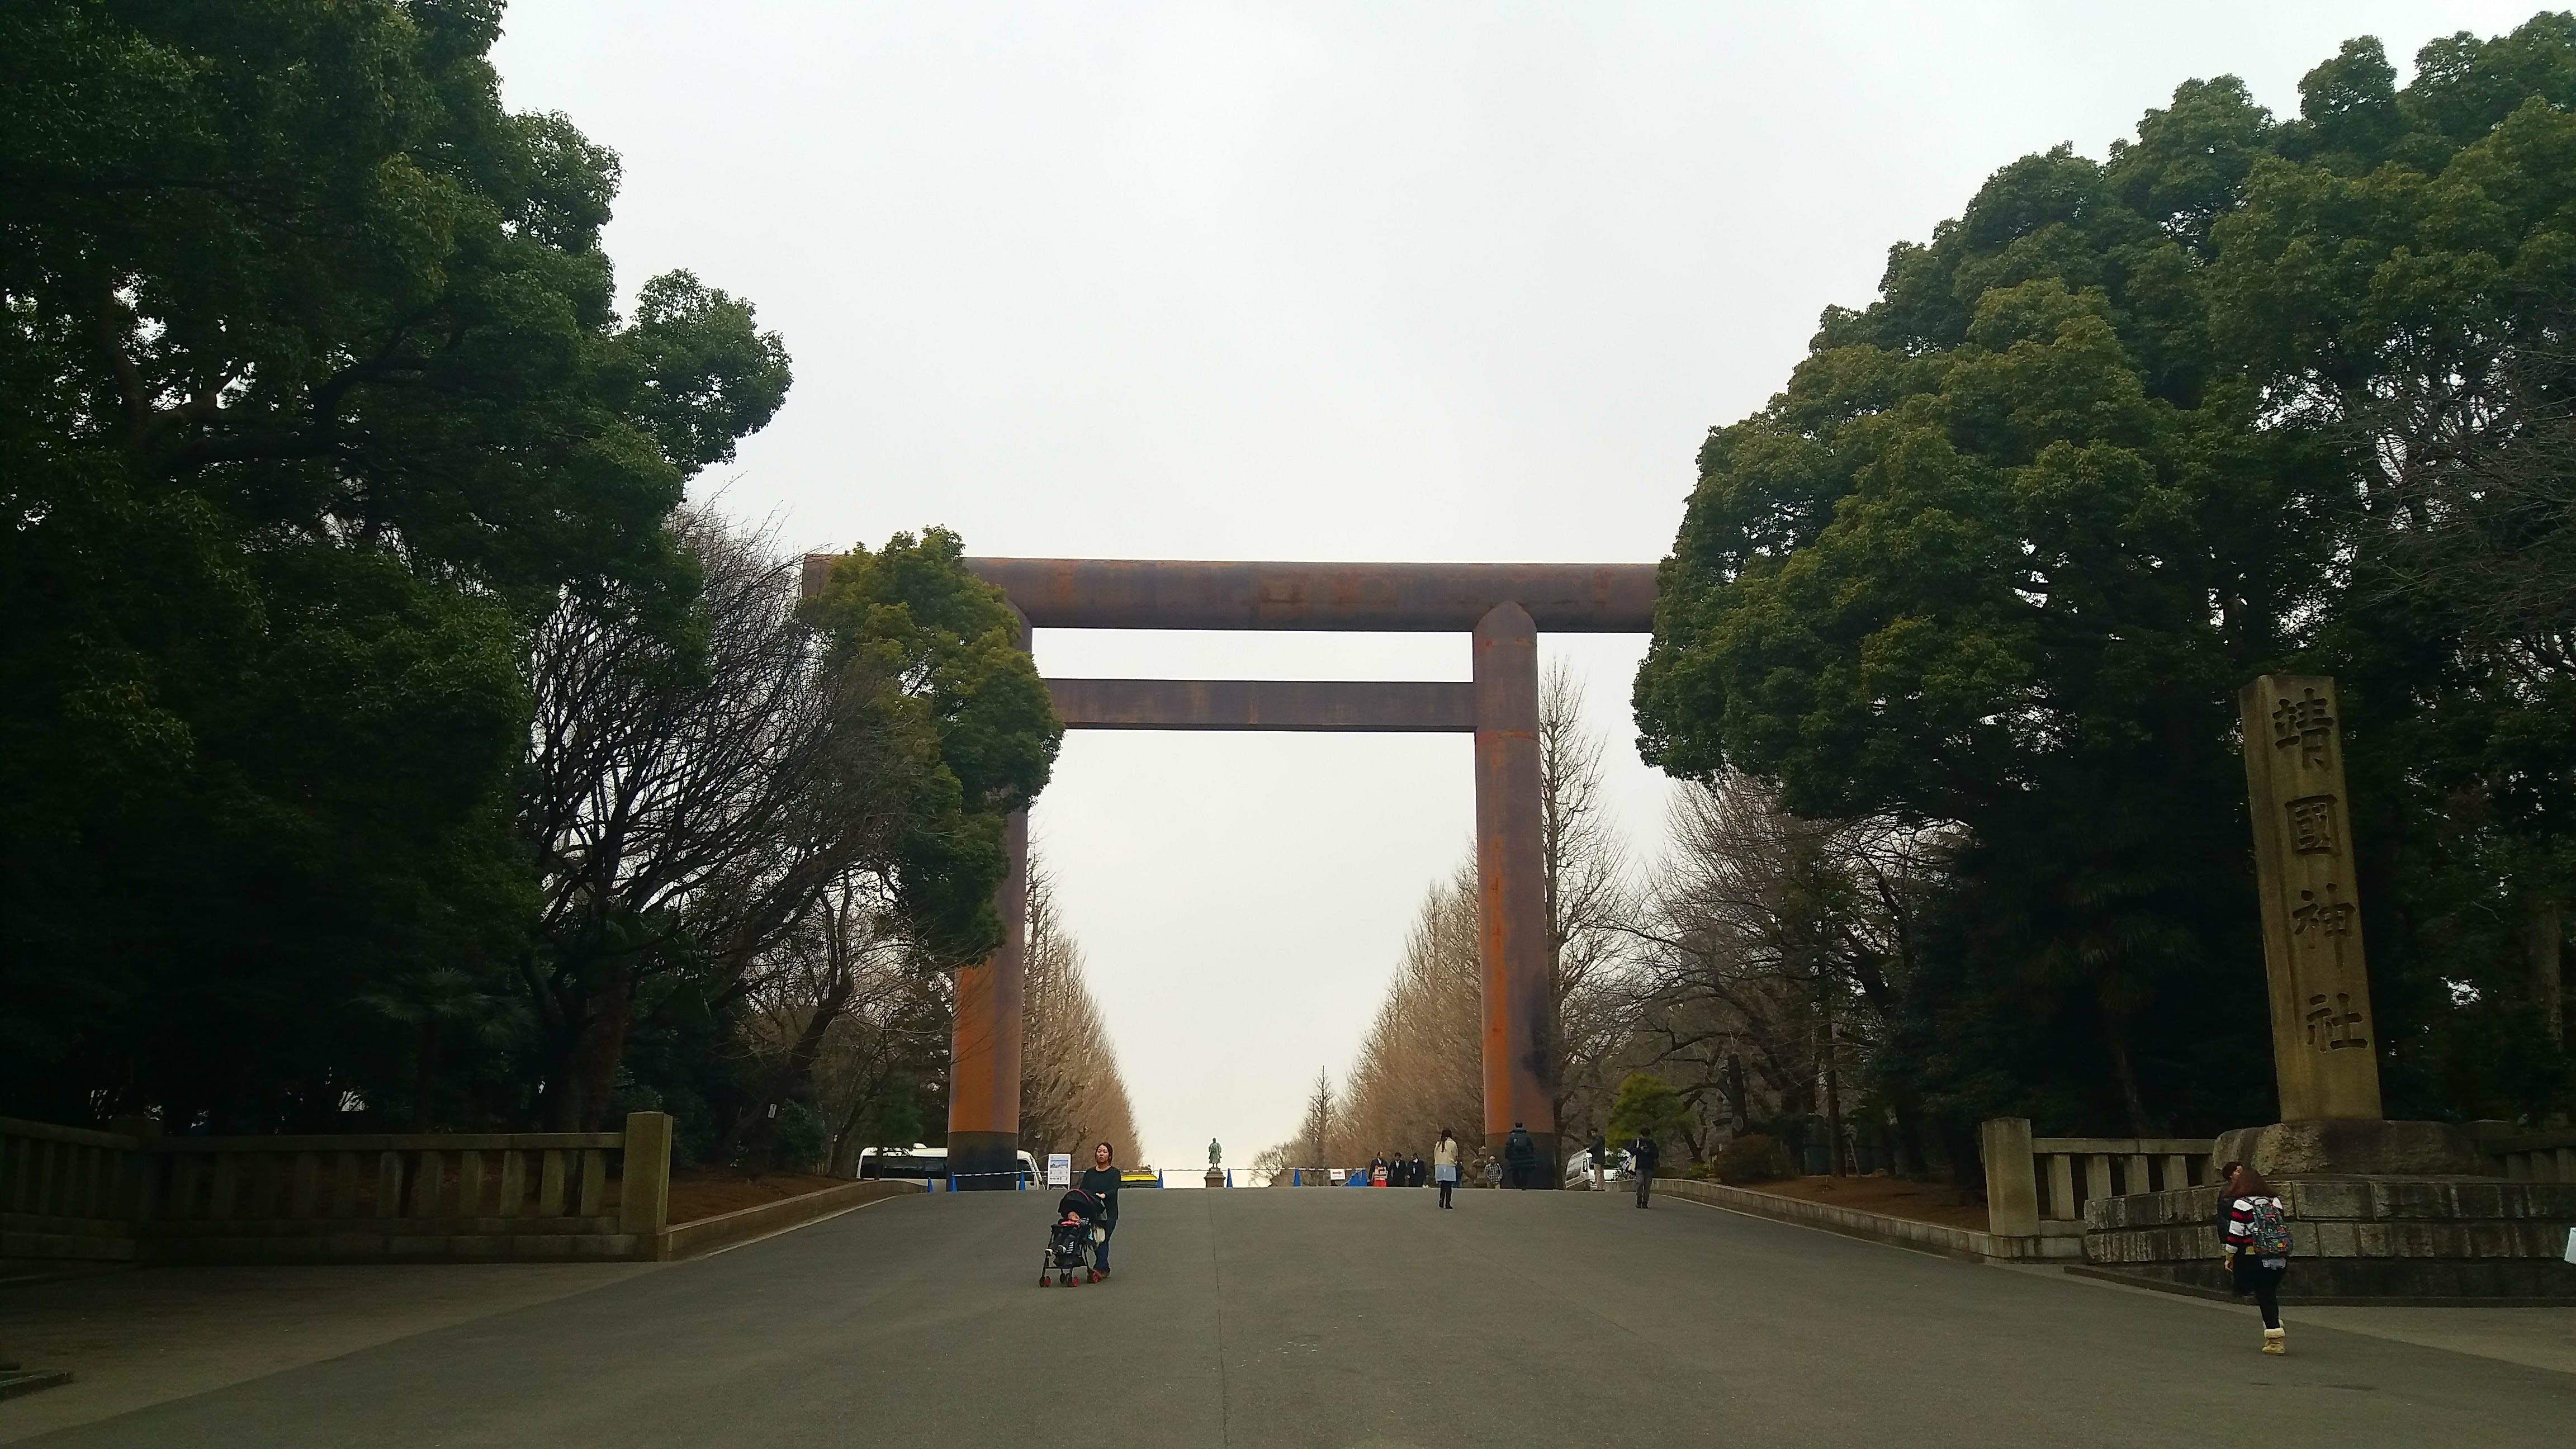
(1419,1175)
(1377,1170)
(1520,1156)
(1644,1154)
(1600,1154)
(1101,1181)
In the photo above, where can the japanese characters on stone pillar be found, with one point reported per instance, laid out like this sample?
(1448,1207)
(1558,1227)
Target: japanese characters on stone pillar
(2323,1050)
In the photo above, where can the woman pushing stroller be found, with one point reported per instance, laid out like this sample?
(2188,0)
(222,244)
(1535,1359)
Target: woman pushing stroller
(1101,1181)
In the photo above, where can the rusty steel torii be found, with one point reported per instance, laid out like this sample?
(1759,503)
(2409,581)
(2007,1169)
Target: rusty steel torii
(1502,606)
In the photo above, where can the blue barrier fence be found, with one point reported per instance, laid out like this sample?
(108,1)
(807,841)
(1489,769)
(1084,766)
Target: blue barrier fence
(1020,1180)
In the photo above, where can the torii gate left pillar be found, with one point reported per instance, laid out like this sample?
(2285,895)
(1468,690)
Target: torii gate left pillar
(1501,606)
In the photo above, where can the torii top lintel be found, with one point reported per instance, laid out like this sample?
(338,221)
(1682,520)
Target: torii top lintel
(1393,597)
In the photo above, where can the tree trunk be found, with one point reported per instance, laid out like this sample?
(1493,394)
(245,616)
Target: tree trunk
(1904,1140)
(1833,1087)
(2125,1073)
(1967,1173)
(424,1076)
(601,1047)
(845,1139)
(2544,938)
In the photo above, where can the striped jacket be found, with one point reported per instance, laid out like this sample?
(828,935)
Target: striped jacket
(2240,1224)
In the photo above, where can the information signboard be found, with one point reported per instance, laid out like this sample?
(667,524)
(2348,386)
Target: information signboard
(1059,1169)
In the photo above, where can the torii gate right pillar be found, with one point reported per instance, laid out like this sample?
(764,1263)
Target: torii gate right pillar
(1512,944)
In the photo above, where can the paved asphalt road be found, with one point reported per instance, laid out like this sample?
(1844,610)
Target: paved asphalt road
(1360,1318)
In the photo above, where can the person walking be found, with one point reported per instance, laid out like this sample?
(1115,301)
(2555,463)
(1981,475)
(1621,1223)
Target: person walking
(1643,1154)
(2256,1240)
(1600,1150)
(1520,1154)
(1101,1181)
(1444,1164)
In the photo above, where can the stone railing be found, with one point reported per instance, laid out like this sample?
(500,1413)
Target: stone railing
(67,1192)
(74,1193)
(2528,1156)
(2038,1186)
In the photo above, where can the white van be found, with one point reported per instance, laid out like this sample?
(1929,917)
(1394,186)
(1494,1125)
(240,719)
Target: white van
(1579,1166)
(922,1162)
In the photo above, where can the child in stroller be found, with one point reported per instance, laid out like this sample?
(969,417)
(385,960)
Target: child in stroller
(1069,1241)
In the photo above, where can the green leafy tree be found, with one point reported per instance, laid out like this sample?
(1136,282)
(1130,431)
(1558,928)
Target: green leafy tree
(2118,438)
(1647,1103)
(942,652)
(316,396)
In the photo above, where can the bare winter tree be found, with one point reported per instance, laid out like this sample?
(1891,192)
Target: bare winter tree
(1773,951)
(1589,905)
(828,1004)
(1273,1166)
(1315,1132)
(684,807)
(1071,1091)
(867,1082)
(1420,1067)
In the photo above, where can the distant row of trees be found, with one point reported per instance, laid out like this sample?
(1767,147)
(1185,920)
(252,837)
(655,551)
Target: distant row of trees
(1071,1091)
(381,740)
(1419,1067)
(1753,968)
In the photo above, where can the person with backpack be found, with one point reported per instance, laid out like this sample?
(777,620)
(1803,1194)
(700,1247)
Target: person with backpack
(1520,1155)
(2256,1239)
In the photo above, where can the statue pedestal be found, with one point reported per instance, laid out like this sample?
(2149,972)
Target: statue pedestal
(2353,1147)
(1216,1177)
(2395,1211)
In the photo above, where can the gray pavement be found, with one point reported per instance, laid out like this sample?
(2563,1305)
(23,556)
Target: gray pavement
(1361,1318)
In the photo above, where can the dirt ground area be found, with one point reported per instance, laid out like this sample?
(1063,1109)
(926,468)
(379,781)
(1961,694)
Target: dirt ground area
(1924,1202)
(705,1192)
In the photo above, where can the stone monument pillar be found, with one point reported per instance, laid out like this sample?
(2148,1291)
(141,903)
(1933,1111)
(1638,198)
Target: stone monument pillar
(2325,1056)
(2321,1029)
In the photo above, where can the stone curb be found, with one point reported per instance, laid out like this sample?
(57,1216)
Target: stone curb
(725,1230)
(29,1381)
(2302,1300)
(1964,1244)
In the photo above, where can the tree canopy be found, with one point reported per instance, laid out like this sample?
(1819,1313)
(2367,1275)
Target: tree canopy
(2121,436)
(318,397)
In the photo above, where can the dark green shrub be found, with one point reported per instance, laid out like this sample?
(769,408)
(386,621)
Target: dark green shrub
(1754,1158)
(800,1138)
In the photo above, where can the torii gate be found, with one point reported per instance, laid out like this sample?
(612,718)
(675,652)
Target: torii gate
(1503,606)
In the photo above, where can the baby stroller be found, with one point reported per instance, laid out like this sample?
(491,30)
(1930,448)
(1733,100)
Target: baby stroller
(1068,1246)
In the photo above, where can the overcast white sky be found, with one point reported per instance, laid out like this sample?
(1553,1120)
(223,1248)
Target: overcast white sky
(1312,281)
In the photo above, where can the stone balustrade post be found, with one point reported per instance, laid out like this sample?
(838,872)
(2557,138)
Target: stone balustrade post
(2012,1190)
(644,1189)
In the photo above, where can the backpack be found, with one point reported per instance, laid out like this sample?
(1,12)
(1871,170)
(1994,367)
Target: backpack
(2268,1229)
